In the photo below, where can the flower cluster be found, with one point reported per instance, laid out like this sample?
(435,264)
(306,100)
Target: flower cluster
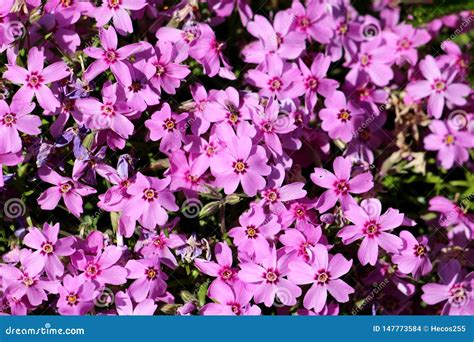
(224,157)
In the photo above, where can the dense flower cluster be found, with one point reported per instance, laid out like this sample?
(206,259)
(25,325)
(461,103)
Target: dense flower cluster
(225,157)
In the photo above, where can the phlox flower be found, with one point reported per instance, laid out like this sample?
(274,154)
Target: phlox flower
(33,80)
(455,290)
(452,214)
(149,200)
(405,39)
(340,184)
(439,86)
(140,94)
(150,280)
(314,21)
(230,301)
(413,257)
(125,307)
(115,197)
(66,188)
(222,270)
(117,11)
(300,243)
(14,119)
(76,296)
(187,174)
(160,245)
(339,116)
(48,248)
(302,213)
(110,57)
(8,159)
(168,127)
(323,273)
(452,144)
(267,278)
(101,268)
(241,162)
(275,196)
(255,229)
(373,228)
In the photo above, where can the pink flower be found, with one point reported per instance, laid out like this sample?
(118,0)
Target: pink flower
(241,162)
(35,79)
(314,21)
(117,11)
(64,187)
(160,245)
(110,57)
(438,86)
(8,159)
(222,269)
(167,126)
(101,268)
(268,282)
(339,117)
(124,306)
(452,214)
(405,39)
(372,227)
(14,119)
(340,185)
(300,243)
(76,296)
(413,257)
(150,281)
(49,248)
(276,196)
(230,301)
(452,144)
(255,230)
(324,273)
(149,199)
(454,289)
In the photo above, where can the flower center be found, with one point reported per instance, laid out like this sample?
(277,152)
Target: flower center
(279,38)
(135,87)
(114,4)
(271,276)
(420,250)
(210,150)
(372,229)
(72,299)
(108,110)
(252,232)
(34,80)
(272,195)
(267,127)
(28,281)
(344,115)
(111,56)
(66,187)
(189,36)
(169,124)
(66,3)
(449,139)
(240,166)
(158,242)
(304,22)
(364,93)
(160,70)
(92,270)
(9,119)
(275,84)
(150,194)
(342,29)
(300,212)
(439,85)
(312,83)
(227,274)
(322,277)
(459,295)
(404,44)
(342,187)
(48,248)
(151,273)
(235,308)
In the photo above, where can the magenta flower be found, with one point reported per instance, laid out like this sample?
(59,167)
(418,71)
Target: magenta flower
(439,86)
(117,11)
(167,126)
(64,187)
(276,196)
(150,281)
(339,116)
(281,79)
(454,289)
(324,273)
(315,80)
(76,296)
(222,269)
(34,80)
(49,248)
(372,227)
(452,144)
(340,185)
(8,159)
(110,57)
(124,306)
(405,39)
(101,268)
(187,175)
(230,301)
(14,119)
(255,230)
(241,162)
(149,199)
(452,214)
(159,245)
(300,243)
(314,21)
(267,280)
(413,257)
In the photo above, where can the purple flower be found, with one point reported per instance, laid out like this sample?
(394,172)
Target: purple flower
(117,11)
(413,257)
(230,301)
(150,281)
(124,306)
(222,270)
(75,296)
